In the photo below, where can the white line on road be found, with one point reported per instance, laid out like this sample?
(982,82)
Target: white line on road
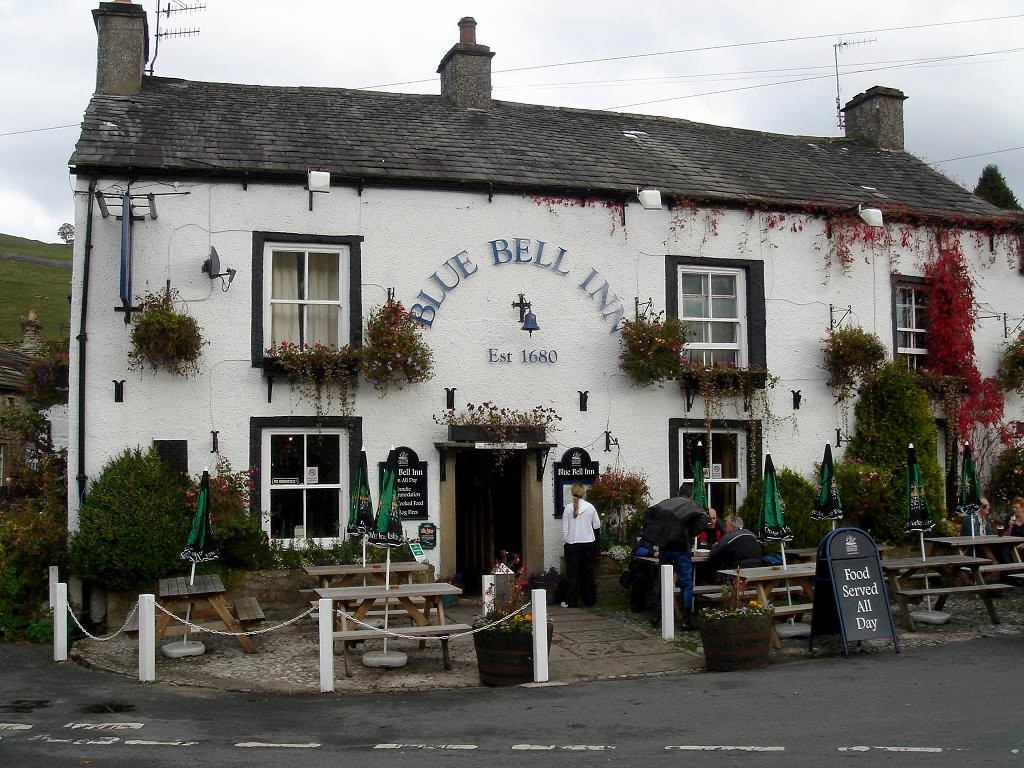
(105,726)
(425,746)
(890,749)
(722,748)
(145,743)
(566,747)
(309,745)
(14,727)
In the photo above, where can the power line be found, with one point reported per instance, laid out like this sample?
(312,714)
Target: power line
(721,46)
(37,130)
(979,154)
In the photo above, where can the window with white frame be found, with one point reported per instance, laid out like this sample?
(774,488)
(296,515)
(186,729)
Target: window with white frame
(724,466)
(712,305)
(304,477)
(912,325)
(303,290)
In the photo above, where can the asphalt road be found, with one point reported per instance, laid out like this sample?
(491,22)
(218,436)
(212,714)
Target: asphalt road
(948,705)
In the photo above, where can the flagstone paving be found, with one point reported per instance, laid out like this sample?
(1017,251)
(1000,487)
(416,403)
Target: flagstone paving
(586,645)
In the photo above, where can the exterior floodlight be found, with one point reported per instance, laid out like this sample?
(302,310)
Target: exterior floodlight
(319,181)
(870,216)
(650,199)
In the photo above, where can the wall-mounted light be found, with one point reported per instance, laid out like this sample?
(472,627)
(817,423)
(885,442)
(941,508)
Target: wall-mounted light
(870,216)
(317,181)
(650,199)
(212,268)
(527,319)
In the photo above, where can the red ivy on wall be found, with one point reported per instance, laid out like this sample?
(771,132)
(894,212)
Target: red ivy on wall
(951,322)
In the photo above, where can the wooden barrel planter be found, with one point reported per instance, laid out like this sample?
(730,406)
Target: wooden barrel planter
(506,658)
(735,643)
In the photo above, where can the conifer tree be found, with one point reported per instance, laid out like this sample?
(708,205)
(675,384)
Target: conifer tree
(993,188)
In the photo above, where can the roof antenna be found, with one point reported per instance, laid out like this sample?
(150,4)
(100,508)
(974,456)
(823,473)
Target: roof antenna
(175,6)
(842,44)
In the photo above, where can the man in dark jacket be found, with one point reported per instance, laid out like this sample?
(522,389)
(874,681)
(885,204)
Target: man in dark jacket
(670,527)
(738,547)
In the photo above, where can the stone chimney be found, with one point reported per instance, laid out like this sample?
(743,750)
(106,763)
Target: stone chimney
(122,47)
(31,332)
(466,69)
(875,117)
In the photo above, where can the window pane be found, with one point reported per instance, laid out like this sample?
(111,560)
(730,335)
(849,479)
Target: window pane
(323,277)
(285,513)
(723,285)
(286,459)
(723,333)
(699,333)
(695,307)
(724,357)
(287,266)
(322,505)
(321,324)
(724,307)
(694,285)
(323,452)
(284,323)
(906,317)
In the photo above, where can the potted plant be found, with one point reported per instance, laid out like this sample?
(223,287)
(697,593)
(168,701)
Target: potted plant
(395,352)
(737,632)
(316,371)
(165,337)
(851,355)
(1010,370)
(488,423)
(504,635)
(651,347)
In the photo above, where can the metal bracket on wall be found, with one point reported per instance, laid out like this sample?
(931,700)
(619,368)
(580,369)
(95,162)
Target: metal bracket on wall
(213,434)
(443,469)
(840,437)
(689,393)
(832,322)
(584,394)
(542,462)
(118,390)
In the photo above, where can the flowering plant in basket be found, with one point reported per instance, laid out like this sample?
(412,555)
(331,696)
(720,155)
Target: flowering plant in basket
(507,601)
(395,352)
(733,603)
(651,346)
(316,371)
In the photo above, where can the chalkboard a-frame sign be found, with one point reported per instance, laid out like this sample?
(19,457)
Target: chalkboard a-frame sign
(849,590)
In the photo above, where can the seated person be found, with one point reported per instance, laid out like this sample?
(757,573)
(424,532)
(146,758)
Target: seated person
(737,547)
(711,533)
(979,524)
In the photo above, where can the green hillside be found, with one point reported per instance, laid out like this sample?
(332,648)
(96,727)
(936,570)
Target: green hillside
(31,280)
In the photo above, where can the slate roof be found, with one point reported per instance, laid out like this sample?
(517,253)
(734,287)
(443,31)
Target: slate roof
(177,126)
(12,370)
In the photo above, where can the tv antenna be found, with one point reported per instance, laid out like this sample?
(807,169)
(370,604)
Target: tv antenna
(836,47)
(173,6)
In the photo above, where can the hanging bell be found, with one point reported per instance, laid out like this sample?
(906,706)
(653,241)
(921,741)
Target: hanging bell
(530,323)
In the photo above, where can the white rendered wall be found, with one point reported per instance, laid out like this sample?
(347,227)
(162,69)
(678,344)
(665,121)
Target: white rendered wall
(411,234)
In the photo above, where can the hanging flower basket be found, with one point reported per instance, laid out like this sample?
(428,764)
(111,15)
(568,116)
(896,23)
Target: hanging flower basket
(1010,370)
(851,355)
(165,337)
(395,353)
(651,348)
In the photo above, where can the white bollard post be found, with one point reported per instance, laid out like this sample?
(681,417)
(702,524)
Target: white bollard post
(668,596)
(54,580)
(487,590)
(60,623)
(326,608)
(147,639)
(540,635)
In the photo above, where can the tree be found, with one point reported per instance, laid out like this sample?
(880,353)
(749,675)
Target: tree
(67,233)
(993,188)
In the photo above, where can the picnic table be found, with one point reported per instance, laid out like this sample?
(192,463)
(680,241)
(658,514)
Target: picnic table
(809,554)
(987,546)
(955,574)
(357,574)
(205,602)
(420,602)
(765,579)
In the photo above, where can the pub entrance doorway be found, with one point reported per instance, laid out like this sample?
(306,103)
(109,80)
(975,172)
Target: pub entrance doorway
(488,512)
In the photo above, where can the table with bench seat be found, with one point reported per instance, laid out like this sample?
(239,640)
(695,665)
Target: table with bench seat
(767,580)
(357,574)
(206,605)
(988,546)
(420,602)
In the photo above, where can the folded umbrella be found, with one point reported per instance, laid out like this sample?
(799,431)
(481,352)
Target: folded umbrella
(827,504)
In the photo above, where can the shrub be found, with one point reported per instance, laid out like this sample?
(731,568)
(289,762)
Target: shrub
(797,496)
(46,377)
(133,523)
(1007,477)
(237,533)
(865,490)
(621,498)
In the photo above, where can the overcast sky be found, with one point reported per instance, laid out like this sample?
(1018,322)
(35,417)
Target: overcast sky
(968,103)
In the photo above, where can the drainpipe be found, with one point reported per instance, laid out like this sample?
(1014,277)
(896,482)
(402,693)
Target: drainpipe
(82,337)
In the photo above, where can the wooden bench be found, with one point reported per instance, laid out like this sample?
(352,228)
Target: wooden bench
(441,631)
(797,610)
(246,609)
(984,591)
(1017,577)
(1008,568)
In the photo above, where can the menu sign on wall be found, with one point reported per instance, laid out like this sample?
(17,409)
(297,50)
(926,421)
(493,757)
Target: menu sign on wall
(411,484)
(575,467)
(849,589)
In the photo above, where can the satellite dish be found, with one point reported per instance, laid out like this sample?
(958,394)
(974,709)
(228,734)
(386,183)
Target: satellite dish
(212,265)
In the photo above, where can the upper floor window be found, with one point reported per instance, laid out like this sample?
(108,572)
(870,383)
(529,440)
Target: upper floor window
(911,325)
(305,290)
(712,305)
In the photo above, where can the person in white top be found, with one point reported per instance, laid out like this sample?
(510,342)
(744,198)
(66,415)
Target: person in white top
(579,523)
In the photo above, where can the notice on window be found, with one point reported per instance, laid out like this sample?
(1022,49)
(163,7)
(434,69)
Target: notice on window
(716,471)
(312,475)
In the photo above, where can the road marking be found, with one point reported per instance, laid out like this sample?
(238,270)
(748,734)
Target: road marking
(566,747)
(14,727)
(426,746)
(105,726)
(890,749)
(722,748)
(258,744)
(145,743)
(101,741)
